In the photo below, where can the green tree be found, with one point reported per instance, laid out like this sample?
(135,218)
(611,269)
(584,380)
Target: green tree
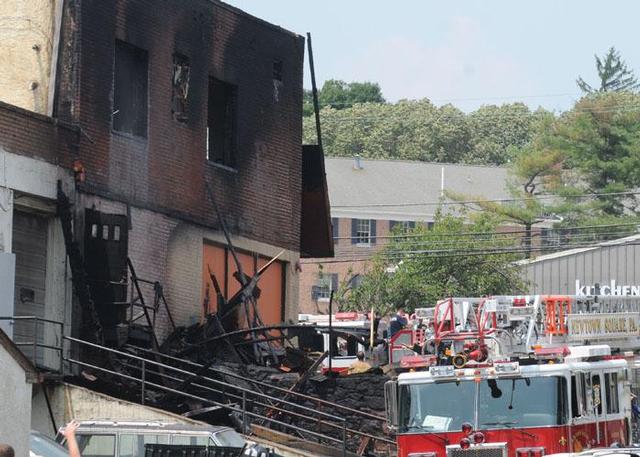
(341,95)
(602,138)
(497,132)
(420,130)
(613,73)
(431,264)
(409,130)
(537,172)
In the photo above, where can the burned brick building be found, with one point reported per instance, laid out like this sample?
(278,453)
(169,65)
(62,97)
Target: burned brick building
(154,103)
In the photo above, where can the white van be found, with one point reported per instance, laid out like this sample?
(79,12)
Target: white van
(104,438)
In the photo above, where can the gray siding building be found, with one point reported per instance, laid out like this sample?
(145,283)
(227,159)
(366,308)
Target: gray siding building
(608,268)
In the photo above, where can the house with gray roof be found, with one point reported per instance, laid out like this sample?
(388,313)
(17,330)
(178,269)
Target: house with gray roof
(369,197)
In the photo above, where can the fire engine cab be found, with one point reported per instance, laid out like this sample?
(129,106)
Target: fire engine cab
(517,377)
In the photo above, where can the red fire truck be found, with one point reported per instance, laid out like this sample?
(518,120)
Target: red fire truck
(517,377)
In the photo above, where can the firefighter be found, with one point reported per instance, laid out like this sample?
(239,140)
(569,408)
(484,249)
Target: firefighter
(398,322)
(359,366)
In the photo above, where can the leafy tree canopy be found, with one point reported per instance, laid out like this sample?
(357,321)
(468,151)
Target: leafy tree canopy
(339,95)
(414,271)
(420,130)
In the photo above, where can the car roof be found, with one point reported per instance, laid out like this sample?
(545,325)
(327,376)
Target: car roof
(106,424)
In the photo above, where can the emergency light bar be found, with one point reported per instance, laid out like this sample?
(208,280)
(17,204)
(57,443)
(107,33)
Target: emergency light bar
(442,370)
(506,367)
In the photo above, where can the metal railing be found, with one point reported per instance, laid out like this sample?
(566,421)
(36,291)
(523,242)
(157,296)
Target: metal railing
(286,392)
(149,372)
(163,373)
(39,324)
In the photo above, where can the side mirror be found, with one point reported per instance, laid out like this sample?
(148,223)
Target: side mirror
(391,402)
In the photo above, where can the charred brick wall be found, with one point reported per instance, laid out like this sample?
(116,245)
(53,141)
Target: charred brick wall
(166,171)
(40,137)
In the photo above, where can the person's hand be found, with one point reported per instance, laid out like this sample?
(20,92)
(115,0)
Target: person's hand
(70,429)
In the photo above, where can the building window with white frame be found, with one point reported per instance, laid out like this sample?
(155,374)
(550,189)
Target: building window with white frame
(363,232)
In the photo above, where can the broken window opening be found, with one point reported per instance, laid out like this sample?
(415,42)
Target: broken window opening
(277,70)
(130,90)
(180,84)
(221,123)
(105,232)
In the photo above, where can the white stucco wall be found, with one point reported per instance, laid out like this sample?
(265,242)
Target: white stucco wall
(15,405)
(28,33)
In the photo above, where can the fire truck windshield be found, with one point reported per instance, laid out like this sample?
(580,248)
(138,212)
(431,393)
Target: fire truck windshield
(499,403)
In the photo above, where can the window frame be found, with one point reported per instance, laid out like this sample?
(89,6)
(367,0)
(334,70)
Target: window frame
(229,158)
(142,135)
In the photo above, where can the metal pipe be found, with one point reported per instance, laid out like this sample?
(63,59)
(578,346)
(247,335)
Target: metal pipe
(143,374)
(331,333)
(244,413)
(35,341)
(314,92)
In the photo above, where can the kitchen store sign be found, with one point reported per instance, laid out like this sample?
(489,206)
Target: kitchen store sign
(609,289)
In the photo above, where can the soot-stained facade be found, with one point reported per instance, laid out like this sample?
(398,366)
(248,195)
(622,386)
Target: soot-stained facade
(172,97)
(165,101)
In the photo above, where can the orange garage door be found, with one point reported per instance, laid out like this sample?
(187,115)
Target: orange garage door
(219,261)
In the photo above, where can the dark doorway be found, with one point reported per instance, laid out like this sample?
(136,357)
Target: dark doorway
(105,254)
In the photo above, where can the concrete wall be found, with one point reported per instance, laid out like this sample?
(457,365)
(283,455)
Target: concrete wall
(15,405)
(73,402)
(29,184)
(28,35)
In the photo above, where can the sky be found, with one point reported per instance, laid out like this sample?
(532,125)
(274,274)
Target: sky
(464,52)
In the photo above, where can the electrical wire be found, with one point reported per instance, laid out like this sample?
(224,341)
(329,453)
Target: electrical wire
(451,100)
(468,233)
(345,117)
(456,244)
(421,254)
(495,200)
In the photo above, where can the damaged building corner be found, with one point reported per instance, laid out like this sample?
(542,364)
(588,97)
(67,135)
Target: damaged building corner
(119,269)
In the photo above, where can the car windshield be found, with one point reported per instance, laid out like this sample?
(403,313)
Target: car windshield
(502,403)
(229,438)
(42,446)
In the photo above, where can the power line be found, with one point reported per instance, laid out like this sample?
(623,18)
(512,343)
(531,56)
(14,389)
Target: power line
(421,254)
(470,233)
(449,100)
(504,242)
(495,200)
(620,108)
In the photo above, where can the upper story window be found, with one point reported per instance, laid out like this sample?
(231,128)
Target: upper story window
(335,227)
(363,232)
(405,226)
(221,123)
(130,89)
(277,70)
(180,87)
